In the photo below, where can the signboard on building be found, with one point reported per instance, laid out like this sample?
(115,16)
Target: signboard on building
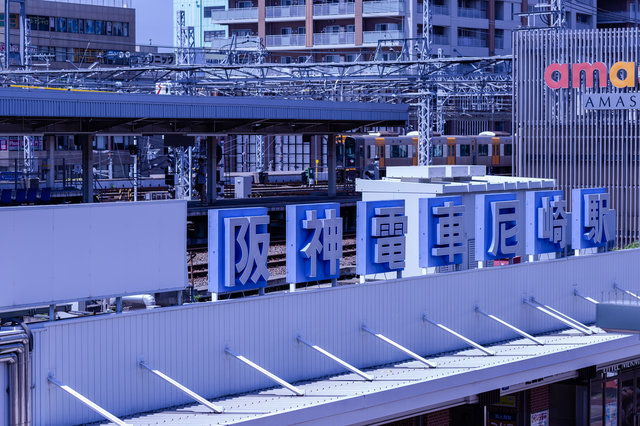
(548,222)
(502,419)
(594,222)
(540,418)
(442,240)
(314,242)
(380,237)
(238,248)
(498,220)
(150,258)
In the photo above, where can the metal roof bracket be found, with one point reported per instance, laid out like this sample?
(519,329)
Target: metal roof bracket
(335,358)
(397,346)
(189,392)
(459,336)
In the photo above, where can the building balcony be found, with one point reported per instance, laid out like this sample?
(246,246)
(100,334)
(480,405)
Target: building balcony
(382,6)
(331,39)
(286,40)
(583,26)
(463,12)
(274,12)
(240,43)
(243,14)
(334,9)
(369,37)
(436,9)
(441,39)
(472,42)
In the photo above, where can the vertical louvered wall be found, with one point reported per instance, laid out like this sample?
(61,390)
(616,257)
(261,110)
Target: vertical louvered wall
(99,356)
(556,138)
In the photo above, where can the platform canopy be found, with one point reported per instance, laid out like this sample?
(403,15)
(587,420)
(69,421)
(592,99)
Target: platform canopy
(41,111)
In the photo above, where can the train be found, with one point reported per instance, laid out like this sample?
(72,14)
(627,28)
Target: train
(356,155)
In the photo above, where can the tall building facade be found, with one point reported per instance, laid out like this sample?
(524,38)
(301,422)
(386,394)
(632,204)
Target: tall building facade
(76,32)
(295,31)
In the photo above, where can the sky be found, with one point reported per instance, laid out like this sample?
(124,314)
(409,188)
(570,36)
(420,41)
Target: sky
(154,20)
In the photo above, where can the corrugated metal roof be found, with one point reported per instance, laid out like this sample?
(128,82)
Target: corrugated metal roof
(187,111)
(347,399)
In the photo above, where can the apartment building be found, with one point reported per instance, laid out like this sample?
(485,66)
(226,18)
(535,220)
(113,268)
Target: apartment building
(78,32)
(295,31)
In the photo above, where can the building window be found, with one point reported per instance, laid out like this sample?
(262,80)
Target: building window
(72,25)
(244,5)
(285,59)
(332,58)
(351,28)
(399,151)
(352,58)
(52,24)
(483,150)
(465,150)
(285,31)
(61,25)
(81,26)
(507,150)
(125,29)
(109,28)
(210,35)
(303,59)
(43,23)
(101,28)
(208,9)
(117,29)
(89,26)
(302,30)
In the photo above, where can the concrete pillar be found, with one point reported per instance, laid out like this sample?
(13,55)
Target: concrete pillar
(359,24)
(51,148)
(331,164)
(262,13)
(212,144)
(86,141)
(308,23)
(7,26)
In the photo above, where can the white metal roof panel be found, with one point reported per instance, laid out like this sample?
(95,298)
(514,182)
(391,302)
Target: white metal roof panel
(465,373)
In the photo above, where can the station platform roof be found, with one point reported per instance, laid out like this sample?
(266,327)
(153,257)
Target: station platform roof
(40,111)
(410,388)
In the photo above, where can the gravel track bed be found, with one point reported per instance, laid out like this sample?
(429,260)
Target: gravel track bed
(201,258)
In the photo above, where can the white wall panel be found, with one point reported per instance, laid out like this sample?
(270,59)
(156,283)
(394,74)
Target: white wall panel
(99,356)
(66,253)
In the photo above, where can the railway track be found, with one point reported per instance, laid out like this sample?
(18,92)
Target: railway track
(200,270)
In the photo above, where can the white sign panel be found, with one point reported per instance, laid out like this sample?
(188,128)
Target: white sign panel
(57,254)
(540,418)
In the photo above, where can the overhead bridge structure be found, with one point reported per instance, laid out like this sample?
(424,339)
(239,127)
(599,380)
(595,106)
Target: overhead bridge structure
(90,113)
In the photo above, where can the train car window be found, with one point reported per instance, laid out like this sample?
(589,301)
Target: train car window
(399,151)
(377,151)
(382,151)
(368,151)
(361,152)
(483,150)
(339,152)
(437,150)
(507,150)
(451,150)
(465,150)
(350,151)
